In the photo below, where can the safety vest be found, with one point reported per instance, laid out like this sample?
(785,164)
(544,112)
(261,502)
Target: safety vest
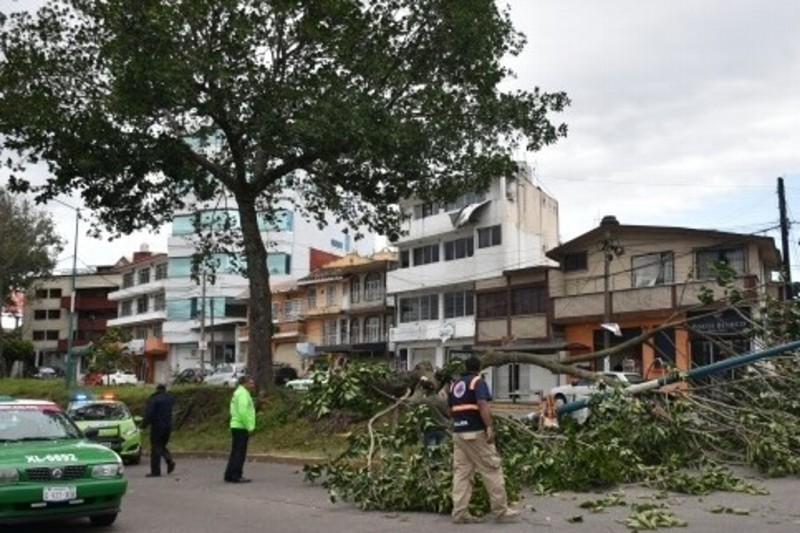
(464,405)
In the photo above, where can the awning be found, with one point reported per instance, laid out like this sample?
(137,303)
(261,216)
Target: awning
(467,214)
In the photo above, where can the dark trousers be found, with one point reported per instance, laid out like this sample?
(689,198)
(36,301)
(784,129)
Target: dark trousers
(239,438)
(159,437)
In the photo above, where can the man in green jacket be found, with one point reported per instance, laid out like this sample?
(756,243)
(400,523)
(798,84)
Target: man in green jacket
(243,423)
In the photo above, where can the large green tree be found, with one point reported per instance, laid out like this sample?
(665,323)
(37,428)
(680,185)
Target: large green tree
(145,106)
(29,247)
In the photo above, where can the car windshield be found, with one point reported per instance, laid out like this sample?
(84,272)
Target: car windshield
(18,423)
(98,411)
(634,378)
(226,369)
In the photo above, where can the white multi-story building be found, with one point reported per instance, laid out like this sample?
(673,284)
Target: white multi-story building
(142,311)
(198,338)
(448,248)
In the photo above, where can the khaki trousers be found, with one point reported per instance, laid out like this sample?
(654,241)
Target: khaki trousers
(471,453)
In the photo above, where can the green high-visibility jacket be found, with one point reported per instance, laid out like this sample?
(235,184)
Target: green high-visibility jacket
(243,413)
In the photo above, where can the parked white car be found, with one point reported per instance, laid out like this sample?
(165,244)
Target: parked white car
(120,377)
(226,375)
(583,388)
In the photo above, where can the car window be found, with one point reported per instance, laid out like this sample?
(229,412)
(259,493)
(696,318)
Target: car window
(99,411)
(634,378)
(225,369)
(21,423)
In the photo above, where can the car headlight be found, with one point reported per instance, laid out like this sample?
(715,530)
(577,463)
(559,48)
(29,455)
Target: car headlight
(9,475)
(108,470)
(130,431)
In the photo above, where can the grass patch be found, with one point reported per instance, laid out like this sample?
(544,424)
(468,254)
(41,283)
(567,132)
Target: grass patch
(202,416)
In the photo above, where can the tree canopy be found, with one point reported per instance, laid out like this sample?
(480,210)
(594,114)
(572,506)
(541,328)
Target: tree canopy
(29,245)
(150,106)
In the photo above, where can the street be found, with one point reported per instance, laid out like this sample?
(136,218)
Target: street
(194,499)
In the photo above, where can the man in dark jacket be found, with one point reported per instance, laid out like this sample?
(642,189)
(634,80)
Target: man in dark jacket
(158,415)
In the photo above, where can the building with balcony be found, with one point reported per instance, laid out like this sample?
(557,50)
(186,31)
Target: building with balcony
(447,251)
(47,308)
(207,321)
(290,344)
(637,278)
(346,309)
(141,311)
(512,312)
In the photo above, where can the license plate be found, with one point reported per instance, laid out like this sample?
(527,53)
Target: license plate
(59,494)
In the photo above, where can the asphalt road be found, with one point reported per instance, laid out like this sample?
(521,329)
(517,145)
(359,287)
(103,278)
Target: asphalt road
(194,499)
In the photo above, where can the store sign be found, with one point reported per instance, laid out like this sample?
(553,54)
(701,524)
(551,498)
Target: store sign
(729,321)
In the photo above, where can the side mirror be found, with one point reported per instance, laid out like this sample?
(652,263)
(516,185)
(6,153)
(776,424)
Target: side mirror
(138,420)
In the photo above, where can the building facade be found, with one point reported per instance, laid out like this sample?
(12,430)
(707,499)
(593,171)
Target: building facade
(207,317)
(449,249)
(636,278)
(46,320)
(142,311)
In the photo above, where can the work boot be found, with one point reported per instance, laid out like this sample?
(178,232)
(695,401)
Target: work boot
(467,519)
(508,517)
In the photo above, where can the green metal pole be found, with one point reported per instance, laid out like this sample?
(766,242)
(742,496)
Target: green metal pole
(69,368)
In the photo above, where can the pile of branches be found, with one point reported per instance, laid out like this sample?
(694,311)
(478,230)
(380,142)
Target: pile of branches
(685,440)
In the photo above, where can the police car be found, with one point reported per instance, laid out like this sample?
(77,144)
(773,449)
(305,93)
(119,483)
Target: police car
(49,471)
(108,421)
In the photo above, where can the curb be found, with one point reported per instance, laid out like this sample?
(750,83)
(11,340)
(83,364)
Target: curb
(253,458)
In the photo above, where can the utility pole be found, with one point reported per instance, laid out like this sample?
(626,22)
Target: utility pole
(202,343)
(787,267)
(610,249)
(213,357)
(69,369)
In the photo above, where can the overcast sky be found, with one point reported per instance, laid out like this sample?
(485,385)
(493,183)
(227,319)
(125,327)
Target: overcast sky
(684,113)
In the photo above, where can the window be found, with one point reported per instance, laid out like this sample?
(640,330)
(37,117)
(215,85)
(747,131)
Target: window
(38,335)
(158,331)
(372,287)
(419,308)
(55,294)
(41,294)
(159,302)
(140,333)
(40,314)
(404,259)
(141,304)
(144,276)
(459,248)
(53,314)
(465,200)
(426,254)
(330,295)
(127,280)
(291,309)
(161,271)
(528,300)
(329,333)
(652,269)
(459,303)
(372,329)
(51,335)
(282,221)
(492,304)
(425,210)
(311,298)
(491,236)
(279,263)
(355,331)
(575,261)
(355,290)
(126,308)
(706,260)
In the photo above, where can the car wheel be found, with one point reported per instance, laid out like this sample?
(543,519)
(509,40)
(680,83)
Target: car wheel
(103,519)
(135,460)
(560,400)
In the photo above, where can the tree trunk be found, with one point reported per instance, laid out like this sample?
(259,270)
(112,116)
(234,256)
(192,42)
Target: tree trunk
(259,358)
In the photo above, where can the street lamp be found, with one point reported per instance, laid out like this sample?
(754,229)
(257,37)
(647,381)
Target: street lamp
(69,366)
